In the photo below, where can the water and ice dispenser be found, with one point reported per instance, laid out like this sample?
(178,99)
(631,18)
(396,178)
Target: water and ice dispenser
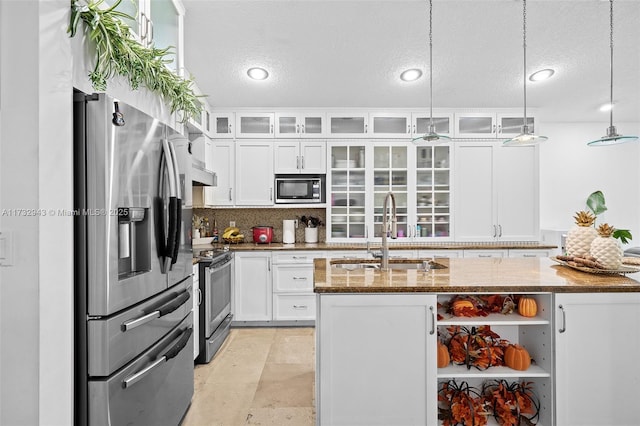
(134,241)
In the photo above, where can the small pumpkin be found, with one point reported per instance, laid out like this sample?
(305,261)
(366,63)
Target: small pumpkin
(460,305)
(527,307)
(517,357)
(443,355)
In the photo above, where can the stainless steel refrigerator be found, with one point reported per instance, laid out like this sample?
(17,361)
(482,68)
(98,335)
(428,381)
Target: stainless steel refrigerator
(133,285)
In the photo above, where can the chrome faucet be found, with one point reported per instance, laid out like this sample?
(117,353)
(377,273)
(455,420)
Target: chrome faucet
(386,232)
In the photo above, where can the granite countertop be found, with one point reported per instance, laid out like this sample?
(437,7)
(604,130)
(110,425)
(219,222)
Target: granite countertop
(470,275)
(376,246)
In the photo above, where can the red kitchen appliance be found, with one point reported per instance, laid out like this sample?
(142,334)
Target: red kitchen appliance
(262,234)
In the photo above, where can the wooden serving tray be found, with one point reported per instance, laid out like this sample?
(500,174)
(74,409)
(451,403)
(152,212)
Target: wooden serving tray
(622,270)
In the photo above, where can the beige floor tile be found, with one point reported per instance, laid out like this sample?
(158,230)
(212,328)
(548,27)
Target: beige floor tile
(295,416)
(226,405)
(285,385)
(260,376)
(293,350)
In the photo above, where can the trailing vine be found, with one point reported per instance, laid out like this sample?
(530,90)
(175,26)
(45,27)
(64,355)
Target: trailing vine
(118,53)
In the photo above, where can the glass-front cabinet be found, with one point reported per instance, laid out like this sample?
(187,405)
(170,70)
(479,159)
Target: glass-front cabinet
(360,174)
(305,125)
(433,191)
(390,174)
(347,192)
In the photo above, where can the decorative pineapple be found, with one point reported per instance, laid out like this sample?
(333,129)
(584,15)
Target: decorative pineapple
(606,249)
(579,238)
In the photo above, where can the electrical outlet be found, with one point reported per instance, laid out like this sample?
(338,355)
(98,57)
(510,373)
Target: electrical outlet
(232,223)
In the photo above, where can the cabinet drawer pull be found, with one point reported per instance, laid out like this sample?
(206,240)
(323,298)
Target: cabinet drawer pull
(499,230)
(297,128)
(297,162)
(302,128)
(302,162)
(229,128)
(300,307)
(484,255)
(529,255)
(271,129)
(299,257)
(563,328)
(299,278)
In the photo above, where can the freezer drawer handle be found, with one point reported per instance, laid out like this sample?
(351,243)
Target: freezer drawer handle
(165,309)
(171,353)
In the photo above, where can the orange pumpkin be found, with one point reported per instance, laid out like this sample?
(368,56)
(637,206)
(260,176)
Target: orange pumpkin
(443,355)
(459,305)
(527,307)
(517,357)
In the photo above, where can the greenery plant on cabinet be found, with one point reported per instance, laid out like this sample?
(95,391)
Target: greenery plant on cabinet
(118,53)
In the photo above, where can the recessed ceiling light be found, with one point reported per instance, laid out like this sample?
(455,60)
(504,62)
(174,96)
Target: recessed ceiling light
(541,75)
(257,73)
(606,107)
(411,75)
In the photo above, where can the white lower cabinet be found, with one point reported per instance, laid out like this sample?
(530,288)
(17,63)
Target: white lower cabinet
(252,291)
(376,359)
(195,296)
(293,297)
(597,347)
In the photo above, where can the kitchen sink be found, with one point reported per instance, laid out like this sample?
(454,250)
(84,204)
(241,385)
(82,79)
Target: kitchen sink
(354,266)
(404,265)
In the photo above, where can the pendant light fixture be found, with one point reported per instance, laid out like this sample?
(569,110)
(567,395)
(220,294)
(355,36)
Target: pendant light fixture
(525,138)
(431,135)
(612,137)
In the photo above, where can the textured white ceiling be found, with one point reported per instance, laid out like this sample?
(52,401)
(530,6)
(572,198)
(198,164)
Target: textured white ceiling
(350,53)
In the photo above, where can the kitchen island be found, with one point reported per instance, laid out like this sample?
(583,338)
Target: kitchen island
(378,332)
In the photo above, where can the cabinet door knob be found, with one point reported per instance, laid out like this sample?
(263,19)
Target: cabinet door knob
(499,128)
(271,129)
(302,128)
(229,128)
(408,128)
(493,129)
(297,128)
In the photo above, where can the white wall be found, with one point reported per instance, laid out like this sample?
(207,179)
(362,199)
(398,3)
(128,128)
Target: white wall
(35,173)
(570,171)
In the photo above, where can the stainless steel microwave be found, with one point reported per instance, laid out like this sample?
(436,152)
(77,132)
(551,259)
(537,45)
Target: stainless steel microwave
(292,189)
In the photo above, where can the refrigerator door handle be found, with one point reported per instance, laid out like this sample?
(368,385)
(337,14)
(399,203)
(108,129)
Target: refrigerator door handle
(176,176)
(163,310)
(171,353)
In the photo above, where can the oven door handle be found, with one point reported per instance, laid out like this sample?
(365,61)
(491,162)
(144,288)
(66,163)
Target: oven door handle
(171,353)
(165,309)
(219,268)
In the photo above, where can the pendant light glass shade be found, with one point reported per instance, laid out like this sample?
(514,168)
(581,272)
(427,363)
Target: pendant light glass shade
(526,137)
(431,135)
(612,137)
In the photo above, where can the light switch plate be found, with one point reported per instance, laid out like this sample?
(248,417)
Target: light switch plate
(6,248)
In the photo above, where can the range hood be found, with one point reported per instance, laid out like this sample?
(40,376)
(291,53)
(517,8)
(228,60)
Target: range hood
(202,177)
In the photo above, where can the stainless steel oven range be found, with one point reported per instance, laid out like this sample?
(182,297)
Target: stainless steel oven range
(215,312)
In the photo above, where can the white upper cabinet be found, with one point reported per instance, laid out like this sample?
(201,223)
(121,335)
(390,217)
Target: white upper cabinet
(348,125)
(496,192)
(300,125)
(255,124)
(481,125)
(254,173)
(159,23)
(391,125)
(223,153)
(443,123)
(300,157)
(221,125)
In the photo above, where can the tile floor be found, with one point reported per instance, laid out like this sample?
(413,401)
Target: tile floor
(260,376)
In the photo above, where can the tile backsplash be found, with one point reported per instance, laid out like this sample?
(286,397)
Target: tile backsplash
(247,218)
